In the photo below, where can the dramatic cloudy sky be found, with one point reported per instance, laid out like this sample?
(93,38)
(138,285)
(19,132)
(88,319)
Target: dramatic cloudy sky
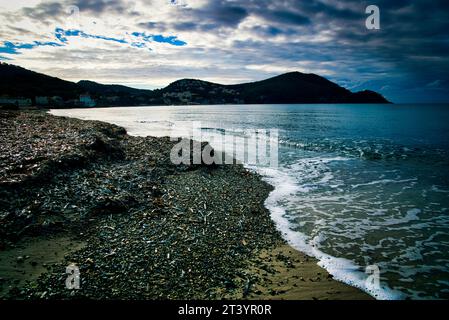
(150,43)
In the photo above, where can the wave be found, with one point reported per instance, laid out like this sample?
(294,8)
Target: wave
(367,150)
(380,149)
(344,270)
(159,122)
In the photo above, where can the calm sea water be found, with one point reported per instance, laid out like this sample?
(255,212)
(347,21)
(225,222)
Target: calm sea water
(356,185)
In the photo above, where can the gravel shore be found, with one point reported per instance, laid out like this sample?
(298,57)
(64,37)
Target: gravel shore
(137,226)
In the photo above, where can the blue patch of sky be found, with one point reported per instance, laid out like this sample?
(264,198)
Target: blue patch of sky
(62,35)
(139,44)
(13,48)
(173,40)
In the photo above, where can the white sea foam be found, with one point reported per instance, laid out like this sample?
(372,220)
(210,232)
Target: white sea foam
(384,181)
(286,186)
(342,269)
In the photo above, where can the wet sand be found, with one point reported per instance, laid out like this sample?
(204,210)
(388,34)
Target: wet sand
(32,257)
(288,274)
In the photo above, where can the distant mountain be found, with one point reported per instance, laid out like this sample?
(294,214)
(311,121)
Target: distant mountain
(117,95)
(109,89)
(294,87)
(16,81)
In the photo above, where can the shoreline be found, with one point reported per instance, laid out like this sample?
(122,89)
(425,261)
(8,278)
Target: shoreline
(141,227)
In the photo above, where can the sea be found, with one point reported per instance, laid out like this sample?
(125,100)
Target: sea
(362,188)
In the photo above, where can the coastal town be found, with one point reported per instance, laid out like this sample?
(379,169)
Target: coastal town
(84,100)
(20,87)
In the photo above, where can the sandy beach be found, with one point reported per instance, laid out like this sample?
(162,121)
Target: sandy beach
(137,226)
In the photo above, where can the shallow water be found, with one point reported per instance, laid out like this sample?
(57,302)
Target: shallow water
(356,185)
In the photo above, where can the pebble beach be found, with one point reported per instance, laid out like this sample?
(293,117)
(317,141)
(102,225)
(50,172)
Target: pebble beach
(138,227)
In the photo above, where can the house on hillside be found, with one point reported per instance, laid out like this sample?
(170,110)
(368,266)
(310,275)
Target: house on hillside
(18,102)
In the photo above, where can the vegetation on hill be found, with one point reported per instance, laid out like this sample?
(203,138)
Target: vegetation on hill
(293,87)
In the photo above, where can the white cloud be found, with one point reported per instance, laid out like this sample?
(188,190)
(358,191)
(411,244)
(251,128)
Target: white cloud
(209,53)
(252,45)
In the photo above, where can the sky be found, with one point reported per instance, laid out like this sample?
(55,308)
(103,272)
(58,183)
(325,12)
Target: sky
(151,43)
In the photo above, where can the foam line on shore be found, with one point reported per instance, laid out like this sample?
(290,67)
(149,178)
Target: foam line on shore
(341,269)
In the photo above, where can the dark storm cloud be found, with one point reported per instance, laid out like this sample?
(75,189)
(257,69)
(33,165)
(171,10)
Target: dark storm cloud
(286,17)
(44,11)
(216,14)
(408,54)
(186,26)
(150,25)
(409,51)
(56,11)
(413,38)
(271,31)
(229,16)
(100,6)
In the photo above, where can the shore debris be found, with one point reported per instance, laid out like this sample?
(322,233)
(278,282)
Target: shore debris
(154,230)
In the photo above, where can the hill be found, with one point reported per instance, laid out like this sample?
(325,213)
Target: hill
(16,81)
(293,87)
(117,94)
